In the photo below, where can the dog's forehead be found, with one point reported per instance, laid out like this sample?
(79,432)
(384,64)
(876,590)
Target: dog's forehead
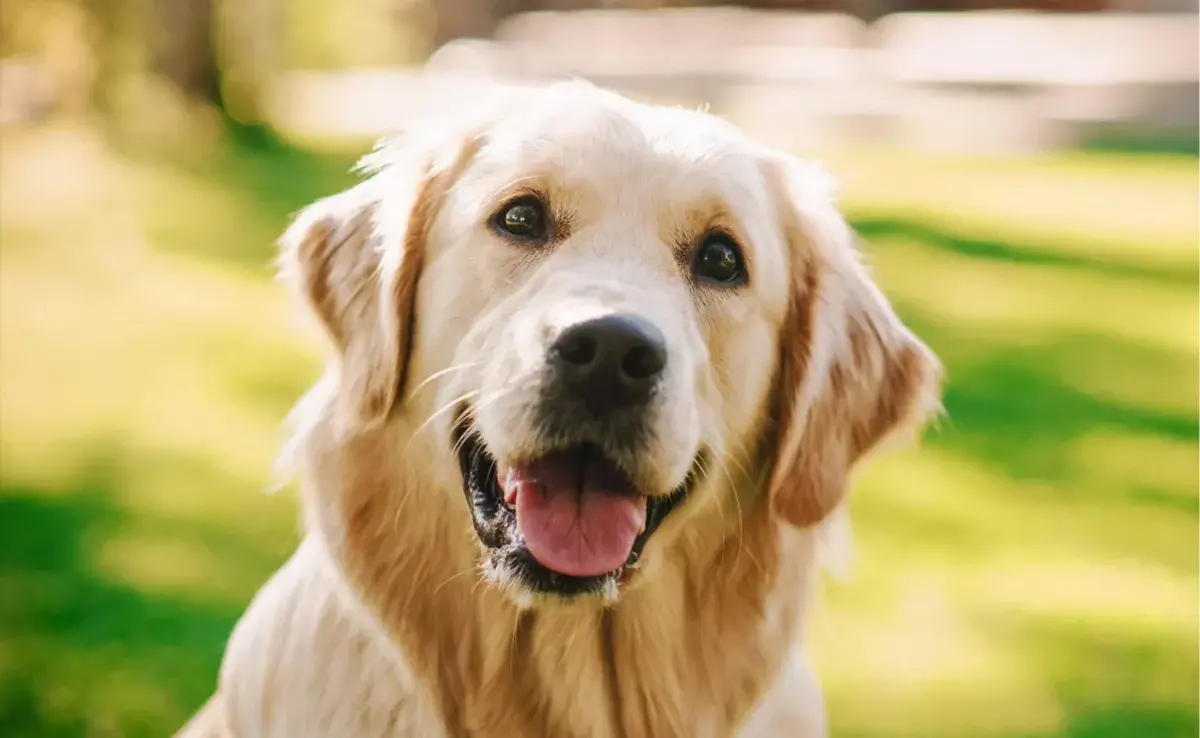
(589,137)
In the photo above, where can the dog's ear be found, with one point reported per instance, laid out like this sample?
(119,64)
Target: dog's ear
(850,374)
(356,258)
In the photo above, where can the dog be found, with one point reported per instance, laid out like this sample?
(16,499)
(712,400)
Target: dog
(602,371)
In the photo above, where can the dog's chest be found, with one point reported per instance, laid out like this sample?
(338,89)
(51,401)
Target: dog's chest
(603,677)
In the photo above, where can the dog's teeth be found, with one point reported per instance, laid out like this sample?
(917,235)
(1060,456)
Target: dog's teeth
(507,487)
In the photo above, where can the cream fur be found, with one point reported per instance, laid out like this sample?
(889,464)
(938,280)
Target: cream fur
(387,621)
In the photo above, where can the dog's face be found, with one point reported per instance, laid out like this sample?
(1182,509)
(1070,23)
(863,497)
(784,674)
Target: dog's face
(609,314)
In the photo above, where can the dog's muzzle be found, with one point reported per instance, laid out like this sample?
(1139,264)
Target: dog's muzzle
(572,518)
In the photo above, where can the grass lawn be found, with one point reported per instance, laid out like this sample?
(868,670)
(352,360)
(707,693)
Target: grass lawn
(1031,570)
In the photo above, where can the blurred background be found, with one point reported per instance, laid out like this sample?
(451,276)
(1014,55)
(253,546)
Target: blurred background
(1025,176)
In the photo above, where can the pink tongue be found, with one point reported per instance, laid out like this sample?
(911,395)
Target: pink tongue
(576,511)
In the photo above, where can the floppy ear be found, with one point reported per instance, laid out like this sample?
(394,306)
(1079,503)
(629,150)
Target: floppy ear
(850,373)
(356,257)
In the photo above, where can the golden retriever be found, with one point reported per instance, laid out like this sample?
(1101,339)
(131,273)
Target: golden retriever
(602,372)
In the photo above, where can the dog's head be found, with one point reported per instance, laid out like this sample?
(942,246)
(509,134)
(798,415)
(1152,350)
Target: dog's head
(609,315)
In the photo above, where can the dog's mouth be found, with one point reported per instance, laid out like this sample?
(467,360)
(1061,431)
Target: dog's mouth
(569,522)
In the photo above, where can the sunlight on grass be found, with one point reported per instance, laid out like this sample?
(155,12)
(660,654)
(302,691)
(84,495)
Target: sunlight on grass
(1136,211)
(1030,570)
(942,503)
(1121,459)
(1039,300)
(955,562)
(178,341)
(157,561)
(1082,592)
(153,372)
(918,666)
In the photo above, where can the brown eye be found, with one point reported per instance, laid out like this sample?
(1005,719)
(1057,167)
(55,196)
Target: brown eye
(718,259)
(524,219)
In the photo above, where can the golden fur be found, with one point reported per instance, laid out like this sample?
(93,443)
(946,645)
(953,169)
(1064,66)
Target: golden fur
(386,621)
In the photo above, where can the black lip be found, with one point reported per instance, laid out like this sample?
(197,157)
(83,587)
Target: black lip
(496,525)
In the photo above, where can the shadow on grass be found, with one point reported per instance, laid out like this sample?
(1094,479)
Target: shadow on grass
(1014,407)
(85,653)
(1018,423)
(1013,402)
(1020,253)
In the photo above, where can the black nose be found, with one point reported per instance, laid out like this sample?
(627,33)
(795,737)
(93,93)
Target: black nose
(610,362)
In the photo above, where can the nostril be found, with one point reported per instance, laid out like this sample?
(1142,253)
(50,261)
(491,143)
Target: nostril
(578,349)
(642,362)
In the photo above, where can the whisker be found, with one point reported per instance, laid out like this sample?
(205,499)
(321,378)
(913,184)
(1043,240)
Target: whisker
(706,476)
(741,517)
(493,398)
(448,406)
(733,458)
(481,580)
(571,640)
(473,409)
(440,373)
(452,577)
(512,645)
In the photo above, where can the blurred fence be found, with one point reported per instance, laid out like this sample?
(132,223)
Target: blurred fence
(990,81)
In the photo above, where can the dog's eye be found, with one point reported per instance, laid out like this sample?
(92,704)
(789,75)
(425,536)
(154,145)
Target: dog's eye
(524,218)
(718,259)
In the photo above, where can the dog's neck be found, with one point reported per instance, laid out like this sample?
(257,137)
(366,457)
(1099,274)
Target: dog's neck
(695,644)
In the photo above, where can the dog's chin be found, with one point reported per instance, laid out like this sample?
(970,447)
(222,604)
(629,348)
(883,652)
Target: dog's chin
(533,563)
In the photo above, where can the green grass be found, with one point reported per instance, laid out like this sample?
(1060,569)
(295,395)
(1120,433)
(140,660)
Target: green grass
(1030,571)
